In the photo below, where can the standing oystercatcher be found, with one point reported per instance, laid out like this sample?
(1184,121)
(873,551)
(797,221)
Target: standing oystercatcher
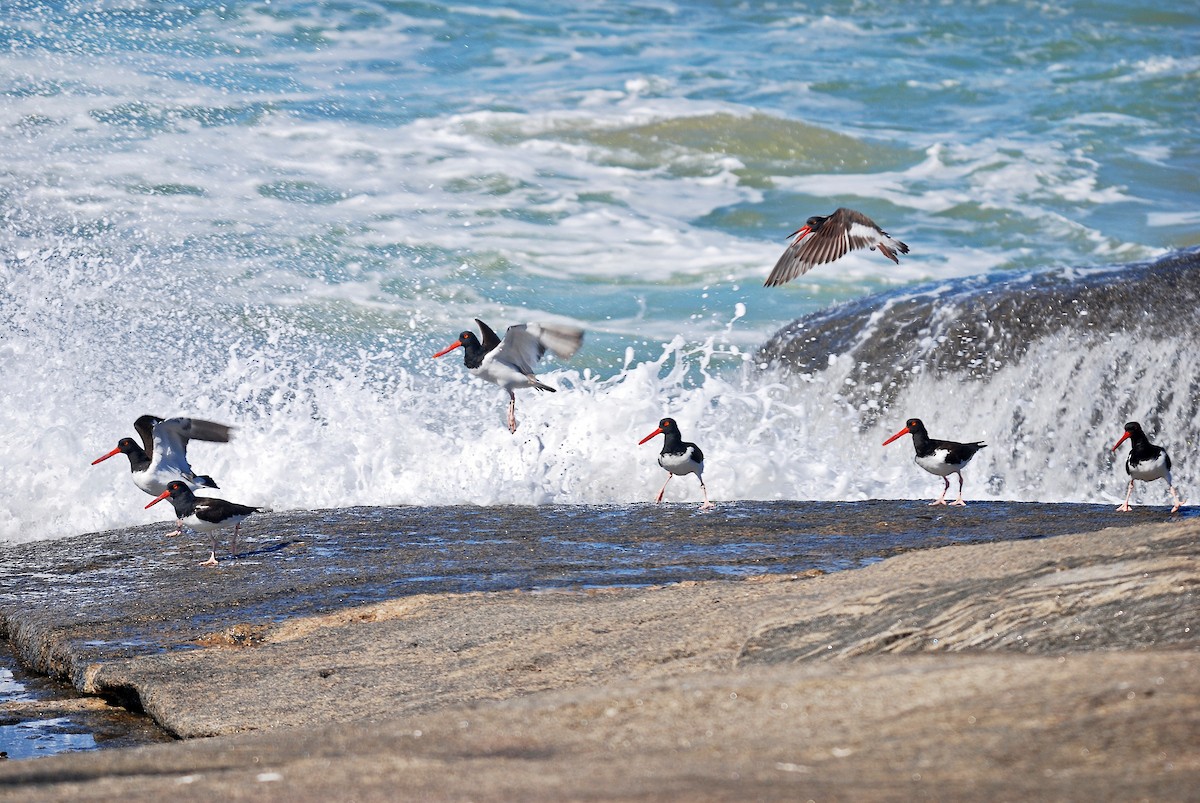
(942,458)
(1146,462)
(205,514)
(826,238)
(678,457)
(509,362)
(162,457)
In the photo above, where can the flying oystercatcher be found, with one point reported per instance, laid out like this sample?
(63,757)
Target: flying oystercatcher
(205,514)
(678,457)
(162,455)
(942,458)
(509,362)
(826,238)
(1146,462)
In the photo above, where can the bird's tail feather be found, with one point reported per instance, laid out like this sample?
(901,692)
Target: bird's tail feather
(887,252)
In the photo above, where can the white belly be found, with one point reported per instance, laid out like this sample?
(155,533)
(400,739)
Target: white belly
(1149,469)
(200,525)
(936,463)
(680,464)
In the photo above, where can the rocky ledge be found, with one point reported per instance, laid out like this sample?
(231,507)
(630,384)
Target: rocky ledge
(1063,667)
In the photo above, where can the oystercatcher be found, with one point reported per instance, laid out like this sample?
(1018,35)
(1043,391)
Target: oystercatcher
(162,457)
(678,457)
(826,238)
(509,362)
(1146,462)
(942,458)
(205,514)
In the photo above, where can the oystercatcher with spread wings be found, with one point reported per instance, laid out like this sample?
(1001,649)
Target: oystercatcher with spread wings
(942,458)
(826,238)
(1146,462)
(509,363)
(162,455)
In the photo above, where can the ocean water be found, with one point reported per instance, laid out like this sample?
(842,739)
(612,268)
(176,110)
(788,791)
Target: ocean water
(271,214)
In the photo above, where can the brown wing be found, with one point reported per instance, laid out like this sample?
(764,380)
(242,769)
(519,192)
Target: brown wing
(827,244)
(842,232)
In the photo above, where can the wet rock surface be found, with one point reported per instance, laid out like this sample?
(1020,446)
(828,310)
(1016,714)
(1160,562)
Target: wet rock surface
(72,603)
(1047,665)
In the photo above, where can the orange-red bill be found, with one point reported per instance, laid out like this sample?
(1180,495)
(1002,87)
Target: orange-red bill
(159,498)
(449,348)
(651,435)
(105,457)
(897,435)
(1118,443)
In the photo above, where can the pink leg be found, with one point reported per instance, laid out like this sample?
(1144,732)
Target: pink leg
(212,556)
(959,501)
(941,500)
(664,488)
(1129,493)
(234,551)
(512,412)
(707,504)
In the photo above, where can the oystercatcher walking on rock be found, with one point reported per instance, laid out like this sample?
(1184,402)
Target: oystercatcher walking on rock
(205,514)
(826,238)
(942,458)
(678,457)
(1146,462)
(509,363)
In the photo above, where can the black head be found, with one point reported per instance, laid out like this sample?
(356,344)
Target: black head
(128,447)
(816,221)
(1132,430)
(912,426)
(181,498)
(178,488)
(468,342)
(666,427)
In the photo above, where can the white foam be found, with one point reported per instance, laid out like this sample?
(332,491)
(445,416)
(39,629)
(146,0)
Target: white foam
(273,220)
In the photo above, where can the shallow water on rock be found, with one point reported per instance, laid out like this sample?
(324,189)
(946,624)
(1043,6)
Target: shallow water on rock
(42,717)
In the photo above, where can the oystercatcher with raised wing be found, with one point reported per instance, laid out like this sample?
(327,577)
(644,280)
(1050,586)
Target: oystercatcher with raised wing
(205,514)
(509,363)
(827,238)
(942,458)
(1146,462)
(162,455)
(678,457)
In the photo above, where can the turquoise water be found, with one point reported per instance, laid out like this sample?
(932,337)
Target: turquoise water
(272,213)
